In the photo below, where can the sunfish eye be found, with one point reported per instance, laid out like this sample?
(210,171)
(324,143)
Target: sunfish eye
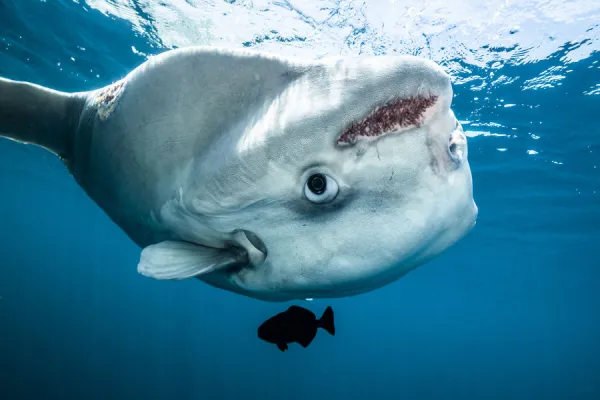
(317,183)
(320,188)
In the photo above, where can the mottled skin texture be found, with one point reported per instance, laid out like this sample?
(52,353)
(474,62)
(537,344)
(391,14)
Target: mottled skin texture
(197,143)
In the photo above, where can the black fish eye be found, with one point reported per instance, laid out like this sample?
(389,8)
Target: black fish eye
(317,183)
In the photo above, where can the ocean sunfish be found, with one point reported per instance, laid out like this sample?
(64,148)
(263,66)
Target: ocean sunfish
(272,177)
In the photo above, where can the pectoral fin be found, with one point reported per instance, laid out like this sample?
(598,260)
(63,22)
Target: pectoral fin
(181,260)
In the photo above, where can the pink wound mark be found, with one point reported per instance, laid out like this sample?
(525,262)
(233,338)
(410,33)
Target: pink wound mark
(398,114)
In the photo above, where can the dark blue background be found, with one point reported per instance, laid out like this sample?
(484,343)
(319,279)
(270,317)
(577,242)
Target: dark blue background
(511,311)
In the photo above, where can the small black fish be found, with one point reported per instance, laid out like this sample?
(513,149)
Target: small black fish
(296,324)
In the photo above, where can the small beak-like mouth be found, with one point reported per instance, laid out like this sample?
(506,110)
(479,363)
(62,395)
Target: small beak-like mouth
(254,247)
(457,145)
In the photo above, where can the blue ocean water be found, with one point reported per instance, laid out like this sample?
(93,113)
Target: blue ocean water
(511,311)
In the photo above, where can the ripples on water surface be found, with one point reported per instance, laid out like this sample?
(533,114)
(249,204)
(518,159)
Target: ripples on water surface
(509,312)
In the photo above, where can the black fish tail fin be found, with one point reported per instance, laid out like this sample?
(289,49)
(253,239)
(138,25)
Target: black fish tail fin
(326,321)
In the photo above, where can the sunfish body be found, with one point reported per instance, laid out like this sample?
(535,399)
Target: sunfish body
(296,324)
(271,177)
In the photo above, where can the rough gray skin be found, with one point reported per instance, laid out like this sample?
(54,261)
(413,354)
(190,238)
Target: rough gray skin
(197,144)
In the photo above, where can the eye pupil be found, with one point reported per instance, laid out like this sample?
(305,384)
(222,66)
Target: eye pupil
(317,183)
(320,188)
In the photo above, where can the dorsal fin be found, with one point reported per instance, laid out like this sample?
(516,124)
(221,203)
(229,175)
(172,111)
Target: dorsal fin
(31,113)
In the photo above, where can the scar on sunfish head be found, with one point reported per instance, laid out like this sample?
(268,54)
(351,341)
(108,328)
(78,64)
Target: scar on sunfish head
(397,114)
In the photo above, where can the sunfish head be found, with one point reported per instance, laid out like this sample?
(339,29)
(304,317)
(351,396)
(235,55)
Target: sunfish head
(344,173)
